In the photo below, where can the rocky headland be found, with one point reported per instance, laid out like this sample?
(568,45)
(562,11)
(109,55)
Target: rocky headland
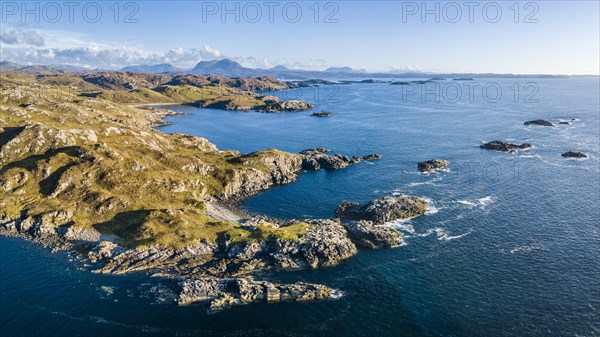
(90,174)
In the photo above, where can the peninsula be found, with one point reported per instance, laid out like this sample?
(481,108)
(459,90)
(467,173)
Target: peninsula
(83,168)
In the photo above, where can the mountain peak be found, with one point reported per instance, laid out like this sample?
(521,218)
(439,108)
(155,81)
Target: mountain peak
(217,67)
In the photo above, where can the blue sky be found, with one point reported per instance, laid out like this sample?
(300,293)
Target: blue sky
(549,37)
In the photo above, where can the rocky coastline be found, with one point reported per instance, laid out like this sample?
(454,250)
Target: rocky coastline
(78,181)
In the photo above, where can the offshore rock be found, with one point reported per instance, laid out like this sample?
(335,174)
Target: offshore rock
(497,145)
(224,293)
(384,209)
(433,164)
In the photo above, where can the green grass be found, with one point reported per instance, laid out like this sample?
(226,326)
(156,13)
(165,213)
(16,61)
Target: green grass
(161,203)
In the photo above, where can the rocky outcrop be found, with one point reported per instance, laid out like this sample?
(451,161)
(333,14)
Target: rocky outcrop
(368,235)
(267,168)
(574,154)
(540,122)
(223,293)
(315,159)
(125,81)
(384,209)
(322,114)
(497,145)
(293,105)
(325,243)
(433,164)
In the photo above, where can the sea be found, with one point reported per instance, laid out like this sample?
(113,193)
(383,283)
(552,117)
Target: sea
(510,245)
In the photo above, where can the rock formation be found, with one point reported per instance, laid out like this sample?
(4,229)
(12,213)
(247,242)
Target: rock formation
(383,209)
(539,122)
(433,164)
(497,145)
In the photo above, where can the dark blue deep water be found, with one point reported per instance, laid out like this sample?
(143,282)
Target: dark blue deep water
(510,246)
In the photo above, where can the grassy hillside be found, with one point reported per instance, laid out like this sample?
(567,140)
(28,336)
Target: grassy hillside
(68,159)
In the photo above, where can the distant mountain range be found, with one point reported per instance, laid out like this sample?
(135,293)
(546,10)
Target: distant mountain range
(152,68)
(230,68)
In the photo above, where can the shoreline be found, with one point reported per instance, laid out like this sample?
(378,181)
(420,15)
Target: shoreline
(216,271)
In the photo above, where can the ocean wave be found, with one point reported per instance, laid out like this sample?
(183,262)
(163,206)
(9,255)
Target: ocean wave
(402,226)
(480,203)
(336,294)
(431,206)
(443,235)
(526,248)
(530,155)
(97,319)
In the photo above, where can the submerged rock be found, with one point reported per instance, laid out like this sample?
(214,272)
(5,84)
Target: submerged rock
(539,122)
(497,145)
(574,154)
(433,164)
(322,114)
(384,209)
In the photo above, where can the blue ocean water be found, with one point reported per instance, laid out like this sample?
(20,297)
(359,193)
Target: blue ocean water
(510,245)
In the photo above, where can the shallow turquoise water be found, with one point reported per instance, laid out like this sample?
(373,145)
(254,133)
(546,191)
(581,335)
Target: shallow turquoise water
(510,246)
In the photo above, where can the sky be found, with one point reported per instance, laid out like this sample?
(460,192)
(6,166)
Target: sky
(527,37)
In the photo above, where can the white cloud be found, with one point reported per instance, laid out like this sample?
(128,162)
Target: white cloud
(33,38)
(50,46)
(14,37)
(9,37)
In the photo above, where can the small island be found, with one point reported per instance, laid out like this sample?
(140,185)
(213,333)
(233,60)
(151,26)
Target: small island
(574,154)
(498,145)
(540,122)
(433,164)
